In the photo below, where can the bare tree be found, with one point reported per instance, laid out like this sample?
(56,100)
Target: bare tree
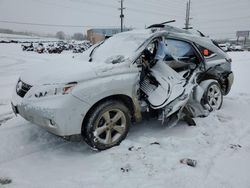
(60,35)
(8,31)
(78,36)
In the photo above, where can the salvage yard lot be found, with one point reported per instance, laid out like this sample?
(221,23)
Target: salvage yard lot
(150,155)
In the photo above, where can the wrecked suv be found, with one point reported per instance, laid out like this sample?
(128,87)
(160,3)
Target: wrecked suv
(99,93)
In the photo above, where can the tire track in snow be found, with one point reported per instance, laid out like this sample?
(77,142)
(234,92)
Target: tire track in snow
(17,62)
(26,139)
(231,137)
(7,128)
(43,147)
(4,102)
(5,117)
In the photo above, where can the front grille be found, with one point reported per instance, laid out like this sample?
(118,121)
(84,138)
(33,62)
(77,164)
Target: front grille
(22,88)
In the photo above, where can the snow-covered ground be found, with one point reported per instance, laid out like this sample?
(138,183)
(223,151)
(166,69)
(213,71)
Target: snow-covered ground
(150,155)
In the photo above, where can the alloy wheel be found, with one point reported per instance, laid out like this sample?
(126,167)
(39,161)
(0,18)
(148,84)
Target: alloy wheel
(214,96)
(110,127)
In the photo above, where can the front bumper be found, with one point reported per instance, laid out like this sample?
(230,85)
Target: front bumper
(60,115)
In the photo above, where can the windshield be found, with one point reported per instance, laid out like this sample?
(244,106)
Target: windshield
(119,47)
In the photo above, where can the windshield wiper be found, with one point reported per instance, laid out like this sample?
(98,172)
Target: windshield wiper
(92,52)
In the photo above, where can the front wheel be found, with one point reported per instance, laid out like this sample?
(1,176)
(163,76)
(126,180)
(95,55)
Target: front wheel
(107,125)
(213,96)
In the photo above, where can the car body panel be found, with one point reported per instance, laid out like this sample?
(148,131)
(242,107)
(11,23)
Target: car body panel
(66,112)
(118,83)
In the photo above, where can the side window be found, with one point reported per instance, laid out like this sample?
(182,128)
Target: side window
(181,50)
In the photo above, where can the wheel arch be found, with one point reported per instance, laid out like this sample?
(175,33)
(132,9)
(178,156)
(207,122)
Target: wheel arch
(214,77)
(206,84)
(125,99)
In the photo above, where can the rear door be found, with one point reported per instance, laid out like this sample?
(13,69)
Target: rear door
(169,73)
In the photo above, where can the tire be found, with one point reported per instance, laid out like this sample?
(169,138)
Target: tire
(213,96)
(107,125)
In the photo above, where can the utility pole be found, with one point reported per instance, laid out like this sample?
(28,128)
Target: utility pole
(122,15)
(187,19)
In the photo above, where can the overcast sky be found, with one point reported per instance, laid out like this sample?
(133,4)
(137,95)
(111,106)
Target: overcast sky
(217,18)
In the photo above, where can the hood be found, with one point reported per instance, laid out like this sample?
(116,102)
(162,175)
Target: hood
(72,70)
(58,73)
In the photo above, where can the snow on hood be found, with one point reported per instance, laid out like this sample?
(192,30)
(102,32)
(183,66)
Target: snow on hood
(121,46)
(59,72)
(66,70)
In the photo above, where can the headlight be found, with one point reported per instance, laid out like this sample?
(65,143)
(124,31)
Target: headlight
(50,90)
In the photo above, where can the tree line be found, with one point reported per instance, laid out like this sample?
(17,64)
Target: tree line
(76,36)
(60,34)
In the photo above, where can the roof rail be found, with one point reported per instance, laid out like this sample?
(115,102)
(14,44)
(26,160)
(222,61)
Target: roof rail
(187,28)
(160,25)
(201,33)
(170,21)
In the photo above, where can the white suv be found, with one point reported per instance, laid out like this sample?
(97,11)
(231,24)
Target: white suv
(99,93)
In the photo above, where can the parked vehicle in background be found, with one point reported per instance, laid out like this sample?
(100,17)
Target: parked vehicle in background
(237,48)
(118,80)
(29,47)
(39,48)
(224,47)
(81,47)
(58,47)
(54,49)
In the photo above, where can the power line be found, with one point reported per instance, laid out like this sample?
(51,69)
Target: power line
(73,8)
(88,2)
(150,12)
(108,5)
(227,7)
(161,6)
(53,25)
(228,19)
(166,4)
(214,4)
